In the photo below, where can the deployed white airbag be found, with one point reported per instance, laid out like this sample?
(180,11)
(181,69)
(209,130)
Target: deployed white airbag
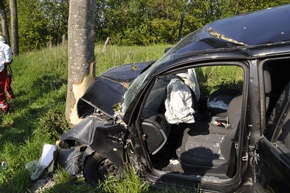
(178,103)
(179,100)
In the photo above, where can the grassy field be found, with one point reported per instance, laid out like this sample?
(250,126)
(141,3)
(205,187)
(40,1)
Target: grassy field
(37,116)
(115,55)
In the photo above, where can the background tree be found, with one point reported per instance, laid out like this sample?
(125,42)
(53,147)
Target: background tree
(32,27)
(14,27)
(81,59)
(55,13)
(41,22)
(3,18)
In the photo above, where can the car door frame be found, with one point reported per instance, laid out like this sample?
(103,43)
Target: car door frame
(242,135)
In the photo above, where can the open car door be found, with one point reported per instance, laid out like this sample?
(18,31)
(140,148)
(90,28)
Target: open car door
(272,155)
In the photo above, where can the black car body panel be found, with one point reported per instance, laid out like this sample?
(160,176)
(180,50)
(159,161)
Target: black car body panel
(272,168)
(257,43)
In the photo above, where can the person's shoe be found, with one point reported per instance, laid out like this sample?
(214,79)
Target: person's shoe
(6,109)
(10,95)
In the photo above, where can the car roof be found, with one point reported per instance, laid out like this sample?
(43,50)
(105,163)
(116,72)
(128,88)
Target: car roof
(264,27)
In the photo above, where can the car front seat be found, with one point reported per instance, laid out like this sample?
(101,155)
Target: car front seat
(200,150)
(207,149)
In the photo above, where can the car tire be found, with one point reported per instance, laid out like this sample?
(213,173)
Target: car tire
(98,168)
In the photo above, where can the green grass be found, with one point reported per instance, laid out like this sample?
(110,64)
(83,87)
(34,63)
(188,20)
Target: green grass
(115,55)
(37,113)
(39,83)
(216,77)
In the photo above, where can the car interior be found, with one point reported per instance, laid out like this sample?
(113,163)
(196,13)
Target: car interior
(205,147)
(202,147)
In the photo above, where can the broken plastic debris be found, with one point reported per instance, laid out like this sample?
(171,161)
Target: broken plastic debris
(31,166)
(174,161)
(36,167)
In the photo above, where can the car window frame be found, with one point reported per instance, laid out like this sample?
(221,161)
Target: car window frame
(271,122)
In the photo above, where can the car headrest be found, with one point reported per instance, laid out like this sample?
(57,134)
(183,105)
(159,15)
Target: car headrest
(267,82)
(234,111)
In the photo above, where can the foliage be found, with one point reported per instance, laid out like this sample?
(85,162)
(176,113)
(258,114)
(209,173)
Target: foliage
(32,33)
(147,22)
(56,18)
(128,22)
(54,124)
(41,22)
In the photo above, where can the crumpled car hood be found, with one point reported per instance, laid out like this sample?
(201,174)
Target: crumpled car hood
(108,89)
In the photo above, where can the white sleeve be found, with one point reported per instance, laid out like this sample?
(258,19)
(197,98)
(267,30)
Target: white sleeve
(7,53)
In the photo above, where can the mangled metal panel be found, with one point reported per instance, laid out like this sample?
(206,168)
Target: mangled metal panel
(108,89)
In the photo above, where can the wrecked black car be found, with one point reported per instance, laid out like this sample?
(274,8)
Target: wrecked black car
(213,112)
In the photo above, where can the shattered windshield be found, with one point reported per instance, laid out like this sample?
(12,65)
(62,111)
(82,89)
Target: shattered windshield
(141,79)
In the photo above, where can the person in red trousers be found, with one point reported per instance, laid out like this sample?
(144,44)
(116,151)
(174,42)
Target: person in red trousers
(5,58)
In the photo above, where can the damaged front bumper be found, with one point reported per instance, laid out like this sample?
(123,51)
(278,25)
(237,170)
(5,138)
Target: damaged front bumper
(102,137)
(89,136)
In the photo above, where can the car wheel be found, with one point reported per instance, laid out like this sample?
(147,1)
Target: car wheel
(99,168)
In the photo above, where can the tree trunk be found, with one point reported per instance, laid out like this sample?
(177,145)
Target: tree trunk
(3,18)
(81,58)
(14,28)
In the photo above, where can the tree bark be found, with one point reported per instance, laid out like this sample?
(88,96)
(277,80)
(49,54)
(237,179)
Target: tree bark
(81,58)
(3,18)
(14,27)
